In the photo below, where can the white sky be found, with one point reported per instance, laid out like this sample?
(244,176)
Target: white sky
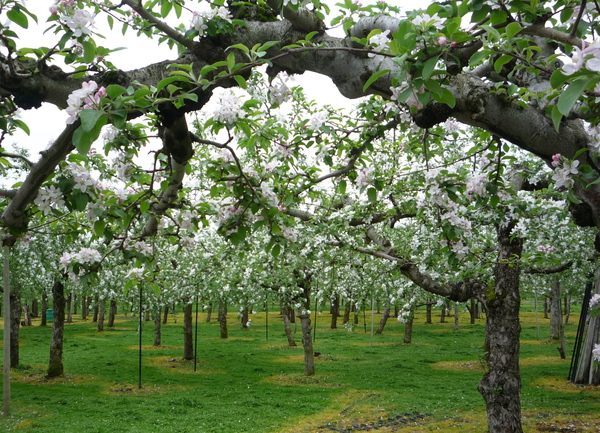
(47,122)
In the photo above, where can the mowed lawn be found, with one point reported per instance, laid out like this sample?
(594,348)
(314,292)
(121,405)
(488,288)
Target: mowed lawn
(253,382)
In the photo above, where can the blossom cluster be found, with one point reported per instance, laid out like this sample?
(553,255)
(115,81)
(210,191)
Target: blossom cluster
(82,177)
(279,92)
(200,19)
(563,174)
(379,42)
(85,256)
(596,353)
(49,198)
(87,97)
(79,21)
(595,305)
(584,57)
(229,109)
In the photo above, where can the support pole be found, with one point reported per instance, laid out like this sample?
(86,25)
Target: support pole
(196,337)
(140,355)
(6,370)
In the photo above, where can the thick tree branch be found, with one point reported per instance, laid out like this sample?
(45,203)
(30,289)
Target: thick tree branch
(549,270)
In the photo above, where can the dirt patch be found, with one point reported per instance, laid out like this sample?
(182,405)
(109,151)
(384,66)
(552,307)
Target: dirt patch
(36,375)
(299,359)
(299,379)
(131,389)
(386,424)
(477,366)
(562,385)
(182,366)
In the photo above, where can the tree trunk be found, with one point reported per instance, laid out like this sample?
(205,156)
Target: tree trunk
(473,311)
(244,318)
(567,309)
(14,323)
(223,319)
(546,309)
(101,305)
(501,385)
(587,372)
(96,309)
(112,312)
(383,321)
(166,314)
(35,308)
(84,308)
(408,328)
(26,316)
(428,309)
(335,311)
(44,321)
(555,311)
(188,340)
(157,327)
(69,308)
(309,354)
(287,327)
(208,313)
(443,313)
(55,366)
(347,311)
(456,316)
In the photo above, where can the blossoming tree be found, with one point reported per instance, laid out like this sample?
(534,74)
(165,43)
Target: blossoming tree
(518,72)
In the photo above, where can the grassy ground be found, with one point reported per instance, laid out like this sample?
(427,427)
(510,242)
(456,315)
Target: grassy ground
(250,384)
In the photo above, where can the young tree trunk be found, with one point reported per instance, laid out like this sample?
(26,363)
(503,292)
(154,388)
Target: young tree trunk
(408,328)
(473,311)
(166,314)
(26,316)
(428,309)
(35,308)
(70,308)
(157,327)
(555,311)
(546,308)
(84,307)
(244,318)
(14,323)
(335,311)
(101,307)
(55,366)
(356,313)
(96,308)
(309,354)
(208,313)
(287,327)
(112,312)
(456,314)
(501,385)
(443,313)
(383,321)
(347,311)
(44,321)
(188,340)
(567,309)
(223,319)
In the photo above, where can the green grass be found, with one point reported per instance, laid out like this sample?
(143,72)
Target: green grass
(250,384)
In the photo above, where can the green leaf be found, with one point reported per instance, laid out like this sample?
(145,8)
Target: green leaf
(165,8)
(374,78)
(342,187)
(557,79)
(429,67)
(242,47)
(80,200)
(99,227)
(18,17)
(83,140)
(372,195)
(567,99)
(501,61)
(241,81)
(512,29)
(89,50)
(230,61)
(556,117)
(89,118)
(113,91)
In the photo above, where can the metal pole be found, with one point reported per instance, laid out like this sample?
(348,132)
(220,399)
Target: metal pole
(6,370)
(267,320)
(315,324)
(372,316)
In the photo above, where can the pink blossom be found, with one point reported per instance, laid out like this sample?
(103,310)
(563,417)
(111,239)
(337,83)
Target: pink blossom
(442,40)
(555,160)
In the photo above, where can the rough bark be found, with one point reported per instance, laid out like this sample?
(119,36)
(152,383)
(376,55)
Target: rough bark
(309,354)
(157,327)
(428,309)
(96,309)
(244,318)
(15,324)
(223,333)
(101,313)
(501,384)
(44,308)
(70,308)
(55,365)
(166,314)
(208,313)
(408,328)
(112,312)
(347,310)
(587,373)
(188,338)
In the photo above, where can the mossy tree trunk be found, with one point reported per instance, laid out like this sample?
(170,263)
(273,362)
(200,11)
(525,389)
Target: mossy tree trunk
(112,312)
(15,324)
(408,328)
(285,314)
(101,305)
(157,327)
(335,311)
(223,333)
(384,319)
